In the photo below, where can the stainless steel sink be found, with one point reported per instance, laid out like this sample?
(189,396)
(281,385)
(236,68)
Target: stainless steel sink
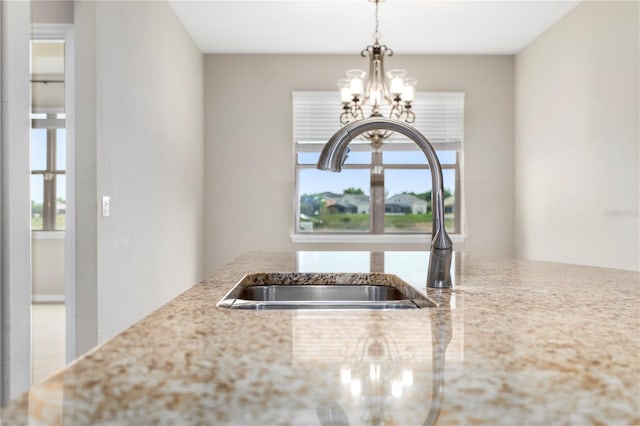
(323,291)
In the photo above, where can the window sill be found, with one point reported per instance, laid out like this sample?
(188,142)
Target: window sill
(371,238)
(47,235)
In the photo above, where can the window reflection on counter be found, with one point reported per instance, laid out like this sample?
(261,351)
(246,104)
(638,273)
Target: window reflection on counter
(319,261)
(410,266)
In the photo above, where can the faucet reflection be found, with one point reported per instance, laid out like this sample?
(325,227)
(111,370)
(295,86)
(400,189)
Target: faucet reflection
(441,331)
(334,154)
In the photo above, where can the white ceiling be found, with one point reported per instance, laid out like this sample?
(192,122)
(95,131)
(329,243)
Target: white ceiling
(346,26)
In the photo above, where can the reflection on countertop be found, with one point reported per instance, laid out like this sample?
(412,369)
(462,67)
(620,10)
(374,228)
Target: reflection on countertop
(514,342)
(380,371)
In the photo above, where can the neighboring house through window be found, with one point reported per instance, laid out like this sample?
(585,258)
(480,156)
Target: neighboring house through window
(342,203)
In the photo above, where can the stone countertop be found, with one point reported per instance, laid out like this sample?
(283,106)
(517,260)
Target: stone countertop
(515,342)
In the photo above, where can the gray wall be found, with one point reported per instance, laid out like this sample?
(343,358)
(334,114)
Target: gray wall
(52,11)
(577,150)
(139,109)
(249,175)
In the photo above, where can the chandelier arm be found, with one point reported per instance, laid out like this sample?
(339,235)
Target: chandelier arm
(396,354)
(382,76)
(356,111)
(396,111)
(372,76)
(410,116)
(363,349)
(345,117)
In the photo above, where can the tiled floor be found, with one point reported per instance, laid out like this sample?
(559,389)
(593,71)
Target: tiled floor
(47,339)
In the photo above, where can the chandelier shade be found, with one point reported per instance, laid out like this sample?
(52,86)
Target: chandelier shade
(360,91)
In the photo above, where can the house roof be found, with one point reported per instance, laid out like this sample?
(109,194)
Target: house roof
(355,199)
(331,195)
(405,199)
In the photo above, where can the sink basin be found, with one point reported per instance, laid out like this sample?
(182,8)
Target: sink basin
(323,291)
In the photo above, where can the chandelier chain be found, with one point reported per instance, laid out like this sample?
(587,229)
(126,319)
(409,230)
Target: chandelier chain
(377,34)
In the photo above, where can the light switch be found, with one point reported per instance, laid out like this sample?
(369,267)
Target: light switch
(106,205)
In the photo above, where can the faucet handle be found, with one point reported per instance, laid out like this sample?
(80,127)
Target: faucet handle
(346,155)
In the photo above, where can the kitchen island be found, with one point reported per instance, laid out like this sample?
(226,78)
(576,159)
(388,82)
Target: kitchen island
(514,342)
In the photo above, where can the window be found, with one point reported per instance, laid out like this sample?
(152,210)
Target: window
(48,195)
(385,191)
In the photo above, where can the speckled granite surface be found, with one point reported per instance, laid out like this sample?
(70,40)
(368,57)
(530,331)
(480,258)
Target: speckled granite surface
(514,343)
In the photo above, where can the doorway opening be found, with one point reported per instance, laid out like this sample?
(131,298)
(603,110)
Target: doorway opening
(48,153)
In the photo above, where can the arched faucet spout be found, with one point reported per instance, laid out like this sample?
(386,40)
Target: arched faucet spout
(334,155)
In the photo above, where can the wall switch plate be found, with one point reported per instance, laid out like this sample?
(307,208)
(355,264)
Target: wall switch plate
(106,206)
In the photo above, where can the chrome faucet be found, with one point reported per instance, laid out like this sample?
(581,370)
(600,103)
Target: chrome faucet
(334,154)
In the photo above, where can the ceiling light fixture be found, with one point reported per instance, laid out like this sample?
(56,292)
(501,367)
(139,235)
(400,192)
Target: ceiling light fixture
(358,91)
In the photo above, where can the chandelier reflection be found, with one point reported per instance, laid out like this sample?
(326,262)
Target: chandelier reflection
(359,91)
(374,372)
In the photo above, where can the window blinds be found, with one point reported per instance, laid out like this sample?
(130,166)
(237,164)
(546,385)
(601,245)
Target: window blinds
(439,116)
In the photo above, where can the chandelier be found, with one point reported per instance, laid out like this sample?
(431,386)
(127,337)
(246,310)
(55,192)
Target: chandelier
(358,92)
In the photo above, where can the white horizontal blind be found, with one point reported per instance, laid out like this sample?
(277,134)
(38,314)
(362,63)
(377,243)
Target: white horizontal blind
(439,116)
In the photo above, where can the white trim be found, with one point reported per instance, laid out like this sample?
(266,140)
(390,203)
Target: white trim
(371,238)
(15,336)
(47,235)
(66,32)
(49,31)
(70,218)
(360,146)
(47,123)
(47,298)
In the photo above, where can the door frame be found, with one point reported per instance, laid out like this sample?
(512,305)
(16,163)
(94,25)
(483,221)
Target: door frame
(15,217)
(66,32)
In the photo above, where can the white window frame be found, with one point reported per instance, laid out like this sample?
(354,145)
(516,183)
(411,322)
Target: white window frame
(51,124)
(315,120)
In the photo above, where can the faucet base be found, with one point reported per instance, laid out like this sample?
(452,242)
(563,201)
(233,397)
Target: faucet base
(439,275)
